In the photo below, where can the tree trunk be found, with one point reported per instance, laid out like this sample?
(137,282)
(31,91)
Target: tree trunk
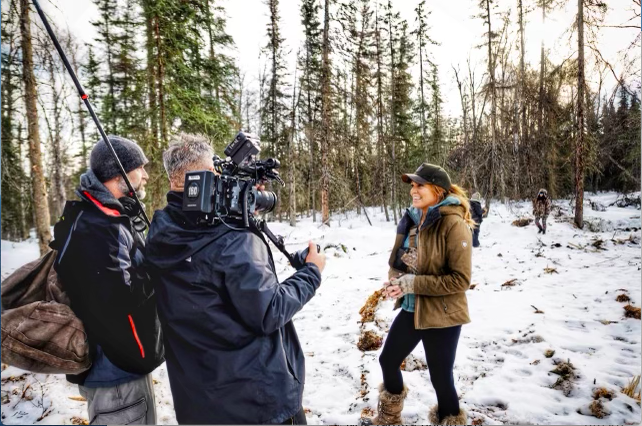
(493,112)
(422,114)
(392,115)
(325,118)
(381,149)
(292,165)
(579,145)
(521,103)
(542,139)
(57,178)
(41,207)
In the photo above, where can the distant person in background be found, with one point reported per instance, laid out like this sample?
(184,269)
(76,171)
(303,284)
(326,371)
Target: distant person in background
(541,209)
(477,213)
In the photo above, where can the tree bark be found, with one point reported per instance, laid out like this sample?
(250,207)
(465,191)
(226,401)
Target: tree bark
(325,118)
(381,149)
(579,145)
(40,204)
(493,112)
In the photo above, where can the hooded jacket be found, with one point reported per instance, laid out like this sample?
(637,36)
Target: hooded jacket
(444,260)
(100,265)
(233,355)
(476,210)
(542,206)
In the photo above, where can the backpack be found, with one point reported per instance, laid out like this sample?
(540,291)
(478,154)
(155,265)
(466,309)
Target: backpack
(40,332)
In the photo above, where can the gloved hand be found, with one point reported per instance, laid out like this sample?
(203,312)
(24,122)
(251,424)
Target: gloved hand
(130,206)
(405,282)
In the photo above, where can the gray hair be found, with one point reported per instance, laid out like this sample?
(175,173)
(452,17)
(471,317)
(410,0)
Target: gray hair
(184,153)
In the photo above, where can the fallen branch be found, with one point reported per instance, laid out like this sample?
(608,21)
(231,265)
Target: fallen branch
(537,311)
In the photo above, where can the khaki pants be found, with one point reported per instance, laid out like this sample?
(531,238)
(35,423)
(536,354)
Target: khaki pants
(131,403)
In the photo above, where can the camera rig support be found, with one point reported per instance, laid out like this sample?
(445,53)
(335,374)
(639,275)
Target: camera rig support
(297,260)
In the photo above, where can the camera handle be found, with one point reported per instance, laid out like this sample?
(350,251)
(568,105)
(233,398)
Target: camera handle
(297,260)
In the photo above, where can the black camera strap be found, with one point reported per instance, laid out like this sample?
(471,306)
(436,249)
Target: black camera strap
(262,228)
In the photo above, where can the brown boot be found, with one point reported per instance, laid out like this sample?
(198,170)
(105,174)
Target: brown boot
(459,419)
(388,408)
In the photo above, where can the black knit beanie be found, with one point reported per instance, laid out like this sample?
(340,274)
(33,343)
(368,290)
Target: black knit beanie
(103,164)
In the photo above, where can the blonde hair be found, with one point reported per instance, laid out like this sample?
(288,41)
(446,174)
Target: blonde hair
(459,193)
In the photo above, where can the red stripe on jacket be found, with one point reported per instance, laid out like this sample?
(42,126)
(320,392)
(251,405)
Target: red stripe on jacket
(140,346)
(106,210)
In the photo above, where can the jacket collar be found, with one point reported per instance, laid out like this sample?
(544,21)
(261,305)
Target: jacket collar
(450,205)
(94,192)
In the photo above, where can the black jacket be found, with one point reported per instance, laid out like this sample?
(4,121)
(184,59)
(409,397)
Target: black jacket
(233,355)
(100,264)
(476,211)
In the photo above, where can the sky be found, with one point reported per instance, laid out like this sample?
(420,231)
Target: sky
(453,25)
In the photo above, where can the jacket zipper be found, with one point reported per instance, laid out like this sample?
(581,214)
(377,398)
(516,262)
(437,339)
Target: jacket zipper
(443,302)
(419,230)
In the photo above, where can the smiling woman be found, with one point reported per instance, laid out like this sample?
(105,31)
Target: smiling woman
(430,267)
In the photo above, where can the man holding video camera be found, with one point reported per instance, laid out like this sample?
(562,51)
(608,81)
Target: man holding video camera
(233,355)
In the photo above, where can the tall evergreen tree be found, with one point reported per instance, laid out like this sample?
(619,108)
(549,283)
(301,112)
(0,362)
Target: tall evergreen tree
(309,90)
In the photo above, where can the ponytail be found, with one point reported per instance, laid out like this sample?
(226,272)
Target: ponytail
(459,193)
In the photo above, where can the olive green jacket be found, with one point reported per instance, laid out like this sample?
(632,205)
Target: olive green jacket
(444,252)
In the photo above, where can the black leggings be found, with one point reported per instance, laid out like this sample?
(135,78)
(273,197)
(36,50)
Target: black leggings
(440,345)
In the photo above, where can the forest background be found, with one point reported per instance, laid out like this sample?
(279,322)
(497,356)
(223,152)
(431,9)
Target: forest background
(508,95)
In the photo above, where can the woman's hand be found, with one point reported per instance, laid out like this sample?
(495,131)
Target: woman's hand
(399,286)
(393,291)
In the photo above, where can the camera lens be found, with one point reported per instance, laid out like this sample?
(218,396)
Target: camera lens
(265,201)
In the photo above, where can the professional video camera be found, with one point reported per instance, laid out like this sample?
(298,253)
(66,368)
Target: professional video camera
(231,196)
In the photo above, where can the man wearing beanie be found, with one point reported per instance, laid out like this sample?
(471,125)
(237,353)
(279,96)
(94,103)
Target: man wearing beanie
(100,264)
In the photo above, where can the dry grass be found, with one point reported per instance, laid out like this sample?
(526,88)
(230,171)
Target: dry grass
(631,312)
(510,283)
(413,363)
(564,383)
(369,341)
(631,390)
(548,353)
(524,221)
(531,339)
(548,270)
(603,393)
(367,413)
(78,398)
(367,311)
(79,421)
(564,369)
(597,409)
(622,298)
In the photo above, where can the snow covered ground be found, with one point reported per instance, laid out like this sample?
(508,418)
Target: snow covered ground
(501,371)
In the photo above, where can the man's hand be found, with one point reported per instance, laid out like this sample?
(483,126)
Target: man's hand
(315,257)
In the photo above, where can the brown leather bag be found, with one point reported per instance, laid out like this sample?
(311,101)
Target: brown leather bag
(40,332)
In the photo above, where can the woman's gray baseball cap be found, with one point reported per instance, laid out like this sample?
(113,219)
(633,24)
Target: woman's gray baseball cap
(429,173)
